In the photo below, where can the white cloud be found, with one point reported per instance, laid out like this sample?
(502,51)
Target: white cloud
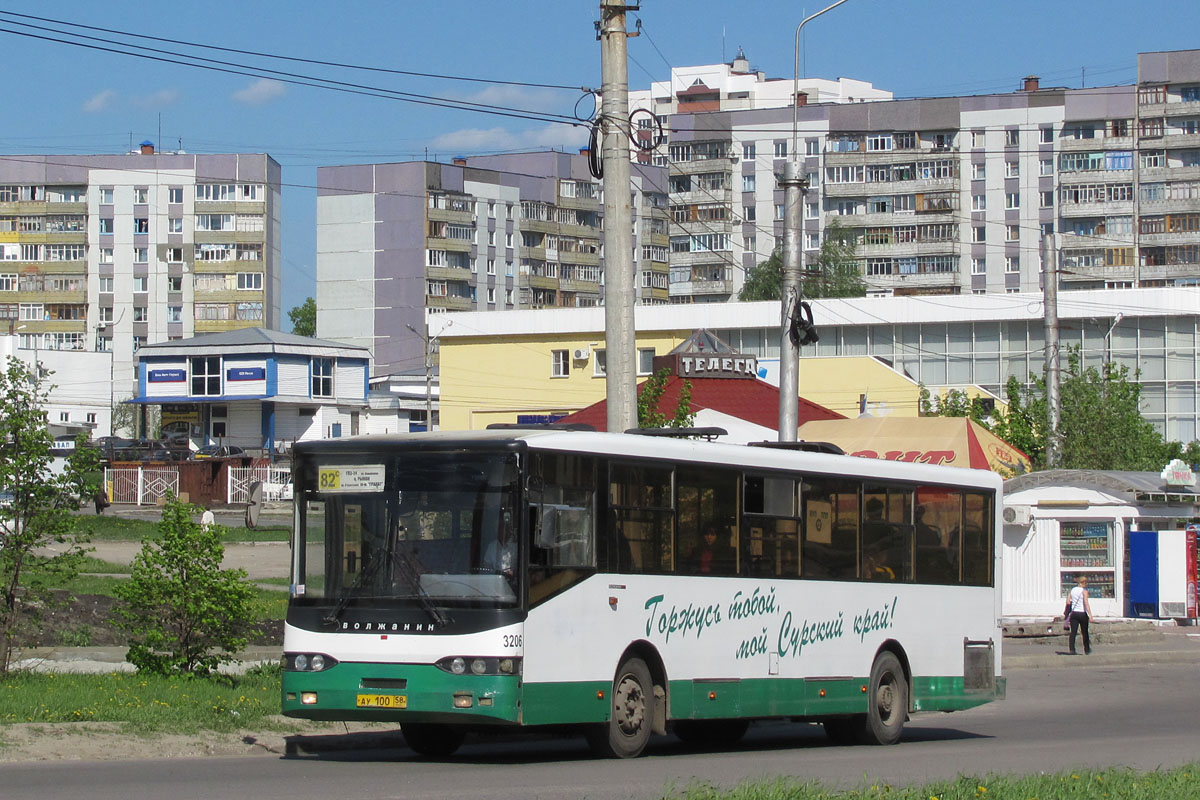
(477,140)
(524,98)
(156,100)
(100,101)
(263,90)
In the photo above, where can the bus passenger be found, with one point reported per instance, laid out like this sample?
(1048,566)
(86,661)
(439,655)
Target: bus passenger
(713,556)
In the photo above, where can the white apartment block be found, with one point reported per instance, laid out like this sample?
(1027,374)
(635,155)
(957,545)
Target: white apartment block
(113,252)
(396,242)
(948,195)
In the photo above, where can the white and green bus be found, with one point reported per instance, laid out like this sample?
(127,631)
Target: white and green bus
(625,584)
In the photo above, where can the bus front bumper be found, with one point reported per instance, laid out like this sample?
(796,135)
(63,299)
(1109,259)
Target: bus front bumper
(401,693)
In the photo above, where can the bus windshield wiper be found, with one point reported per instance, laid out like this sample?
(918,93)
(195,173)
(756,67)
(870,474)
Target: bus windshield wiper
(335,614)
(410,573)
(404,563)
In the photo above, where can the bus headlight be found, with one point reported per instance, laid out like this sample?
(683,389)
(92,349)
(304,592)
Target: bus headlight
(479,665)
(308,662)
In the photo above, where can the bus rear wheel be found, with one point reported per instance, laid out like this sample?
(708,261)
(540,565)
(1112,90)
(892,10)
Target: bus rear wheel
(436,741)
(887,702)
(711,732)
(631,714)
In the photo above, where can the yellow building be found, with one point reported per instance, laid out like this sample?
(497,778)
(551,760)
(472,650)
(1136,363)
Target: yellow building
(546,363)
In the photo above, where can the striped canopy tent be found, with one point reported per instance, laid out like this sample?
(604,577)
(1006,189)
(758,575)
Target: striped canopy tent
(953,441)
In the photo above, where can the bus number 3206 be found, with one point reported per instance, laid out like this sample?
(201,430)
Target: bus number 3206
(512,641)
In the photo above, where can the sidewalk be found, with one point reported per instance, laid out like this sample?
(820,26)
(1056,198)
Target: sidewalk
(1114,643)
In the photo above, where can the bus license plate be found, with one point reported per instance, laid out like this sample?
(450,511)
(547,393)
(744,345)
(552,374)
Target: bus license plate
(382,701)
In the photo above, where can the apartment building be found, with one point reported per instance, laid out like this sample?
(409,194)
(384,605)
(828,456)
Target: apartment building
(112,252)
(946,195)
(486,233)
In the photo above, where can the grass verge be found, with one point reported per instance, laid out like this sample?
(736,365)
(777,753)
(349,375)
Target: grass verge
(121,529)
(1114,784)
(144,703)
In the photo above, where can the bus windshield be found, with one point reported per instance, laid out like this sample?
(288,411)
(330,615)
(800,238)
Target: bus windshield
(410,529)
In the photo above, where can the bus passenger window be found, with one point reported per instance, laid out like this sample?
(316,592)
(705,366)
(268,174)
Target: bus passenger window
(829,548)
(938,522)
(977,539)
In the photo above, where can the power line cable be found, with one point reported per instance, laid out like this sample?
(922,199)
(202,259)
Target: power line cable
(296,59)
(310,81)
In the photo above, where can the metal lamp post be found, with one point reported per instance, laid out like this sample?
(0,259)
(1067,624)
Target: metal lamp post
(793,262)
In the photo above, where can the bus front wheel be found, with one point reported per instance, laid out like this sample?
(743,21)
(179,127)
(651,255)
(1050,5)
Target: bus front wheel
(436,741)
(631,716)
(887,702)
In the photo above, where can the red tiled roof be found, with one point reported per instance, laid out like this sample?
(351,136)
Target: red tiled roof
(752,400)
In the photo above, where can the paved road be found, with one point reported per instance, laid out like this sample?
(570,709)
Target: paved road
(1054,719)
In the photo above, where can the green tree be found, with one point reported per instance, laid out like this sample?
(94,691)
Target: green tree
(836,273)
(36,505)
(1100,421)
(650,415)
(955,403)
(183,612)
(304,318)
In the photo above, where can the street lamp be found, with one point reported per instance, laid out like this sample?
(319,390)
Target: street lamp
(1108,337)
(793,262)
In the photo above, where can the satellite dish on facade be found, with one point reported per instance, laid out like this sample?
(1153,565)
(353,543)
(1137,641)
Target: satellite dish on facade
(254,504)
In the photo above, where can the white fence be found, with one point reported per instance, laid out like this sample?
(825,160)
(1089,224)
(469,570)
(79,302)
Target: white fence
(141,485)
(276,482)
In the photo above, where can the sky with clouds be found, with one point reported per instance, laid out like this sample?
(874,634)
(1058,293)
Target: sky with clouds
(69,100)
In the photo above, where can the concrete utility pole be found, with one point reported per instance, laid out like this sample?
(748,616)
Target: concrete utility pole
(1050,311)
(620,379)
(795,186)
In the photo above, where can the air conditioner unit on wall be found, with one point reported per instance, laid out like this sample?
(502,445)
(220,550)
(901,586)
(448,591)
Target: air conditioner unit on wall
(582,353)
(1017,515)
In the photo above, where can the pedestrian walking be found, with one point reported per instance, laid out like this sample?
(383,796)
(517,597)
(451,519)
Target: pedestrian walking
(1081,614)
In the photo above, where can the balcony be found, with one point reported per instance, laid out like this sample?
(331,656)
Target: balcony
(1169,271)
(1182,237)
(698,196)
(908,249)
(703,165)
(1076,274)
(697,288)
(461,274)
(913,282)
(1105,209)
(450,303)
(574,285)
(1173,141)
(1096,176)
(1152,174)
(449,245)
(1172,206)
(226,207)
(230,237)
(446,215)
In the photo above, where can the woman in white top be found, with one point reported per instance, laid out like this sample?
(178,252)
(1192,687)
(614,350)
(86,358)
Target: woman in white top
(1081,613)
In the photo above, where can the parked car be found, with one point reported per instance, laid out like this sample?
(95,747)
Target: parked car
(219,451)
